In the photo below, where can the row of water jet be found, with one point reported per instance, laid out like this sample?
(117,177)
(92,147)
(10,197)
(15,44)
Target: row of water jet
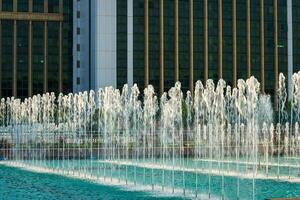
(175,142)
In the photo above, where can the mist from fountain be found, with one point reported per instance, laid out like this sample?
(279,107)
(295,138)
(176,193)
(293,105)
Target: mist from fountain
(166,143)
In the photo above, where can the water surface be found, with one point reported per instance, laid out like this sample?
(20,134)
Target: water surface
(17,184)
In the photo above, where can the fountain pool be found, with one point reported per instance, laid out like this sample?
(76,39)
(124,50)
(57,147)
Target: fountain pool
(213,143)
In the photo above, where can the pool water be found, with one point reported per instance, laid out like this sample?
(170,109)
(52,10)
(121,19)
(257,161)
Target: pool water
(18,184)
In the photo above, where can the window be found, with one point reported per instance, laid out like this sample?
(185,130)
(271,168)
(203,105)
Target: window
(78,63)
(7,5)
(78,47)
(78,80)
(38,6)
(78,31)
(53,6)
(78,14)
(23,5)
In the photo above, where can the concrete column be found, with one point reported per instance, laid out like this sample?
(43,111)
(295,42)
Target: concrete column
(61,6)
(161,47)
(275,54)
(15,5)
(234,53)
(14,70)
(46,6)
(146,43)
(45,57)
(262,47)
(205,39)
(248,39)
(220,40)
(290,46)
(30,59)
(176,45)
(30,5)
(191,68)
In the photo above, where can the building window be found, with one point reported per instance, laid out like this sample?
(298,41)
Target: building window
(7,5)
(78,47)
(78,14)
(23,5)
(78,31)
(78,63)
(53,6)
(78,81)
(38,6)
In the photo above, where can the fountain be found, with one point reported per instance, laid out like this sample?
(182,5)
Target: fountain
(178,144)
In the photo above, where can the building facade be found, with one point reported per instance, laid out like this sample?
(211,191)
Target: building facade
(160,42)
(36,47)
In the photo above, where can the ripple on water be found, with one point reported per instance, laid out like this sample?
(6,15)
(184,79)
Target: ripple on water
(18,184)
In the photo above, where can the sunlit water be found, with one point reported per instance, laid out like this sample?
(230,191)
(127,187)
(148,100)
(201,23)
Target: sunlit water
(17,184)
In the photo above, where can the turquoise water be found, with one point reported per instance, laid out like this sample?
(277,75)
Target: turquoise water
(17,184)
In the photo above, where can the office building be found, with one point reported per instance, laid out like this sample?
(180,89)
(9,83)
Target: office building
(160,42)
(36,47)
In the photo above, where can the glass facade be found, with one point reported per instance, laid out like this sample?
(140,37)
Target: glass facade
(168,45)
(198,40)
(38,6)
(53,55)
(213,30)
(23,6)
(37,57)
(296,35)
(53,6)
(7,59)
(67,45)
(138,42)
(22,58)
(38,48)
(121,43)
(7,5)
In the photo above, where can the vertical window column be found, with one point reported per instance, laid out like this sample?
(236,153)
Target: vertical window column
(0,52)
(60,67)
(205,39)
(161,46)
(146,43)
(248,40)
(220,40)
(275,53)
(290,45)
(30,7)
(191,68)
(45,84)
(234,53)
(77,46)
(176,45)
(14,75)
(262,46)
(45,57)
